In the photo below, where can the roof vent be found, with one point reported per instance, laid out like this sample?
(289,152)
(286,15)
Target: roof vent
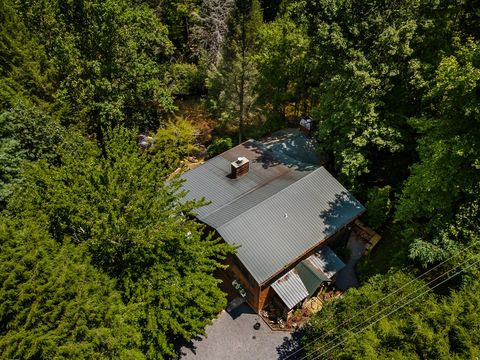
(240,167)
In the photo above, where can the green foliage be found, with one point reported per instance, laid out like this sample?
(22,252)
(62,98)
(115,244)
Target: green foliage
(174,142)
(186,79)
(379,206)
(99,255)
(25,71)
(218,146)
(447,175)
(113,201)
(231,85)
(430,327)
(371,68)
(55,304)
(110,58)
(282,66)
(179,17)
(391,252)
(27,133)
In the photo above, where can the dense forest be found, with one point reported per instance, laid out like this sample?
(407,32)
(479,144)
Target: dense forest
(99,255)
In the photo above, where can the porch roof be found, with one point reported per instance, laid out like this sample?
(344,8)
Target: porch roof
(303,280)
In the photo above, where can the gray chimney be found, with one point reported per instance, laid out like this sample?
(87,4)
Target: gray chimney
(240,167)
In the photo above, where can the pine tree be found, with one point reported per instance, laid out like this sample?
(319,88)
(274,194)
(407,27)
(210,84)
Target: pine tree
(55,304)
(430,327)
(114,201)
(232,93)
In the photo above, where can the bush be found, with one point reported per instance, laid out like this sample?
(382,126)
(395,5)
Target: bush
(218,146)
(185,79)
(379,206)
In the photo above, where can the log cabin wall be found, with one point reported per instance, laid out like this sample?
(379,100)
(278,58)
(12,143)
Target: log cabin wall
(237,271)
(266,295)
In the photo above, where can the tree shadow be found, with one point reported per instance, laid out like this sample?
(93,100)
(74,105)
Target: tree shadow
(269,157)
(340,212)
(181,346)
(294,144)
(291,348)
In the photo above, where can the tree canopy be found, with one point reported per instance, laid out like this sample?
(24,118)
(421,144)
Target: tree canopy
(430,328)
(113,205)
(100,255)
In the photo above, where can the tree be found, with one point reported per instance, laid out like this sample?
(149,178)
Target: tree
(175,142)
(110,58)
(114,201)
(431,327)
(282,67)
(25,72)
(27,133)
(55,304)
(373,61)
(209,32)
(447,176)
(379,206)
(231,91)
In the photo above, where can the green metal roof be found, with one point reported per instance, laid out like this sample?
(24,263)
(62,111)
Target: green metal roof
(279,210)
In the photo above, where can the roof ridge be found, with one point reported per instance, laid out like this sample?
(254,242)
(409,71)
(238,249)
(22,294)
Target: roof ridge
(271,197)
(264,148)
(255,188)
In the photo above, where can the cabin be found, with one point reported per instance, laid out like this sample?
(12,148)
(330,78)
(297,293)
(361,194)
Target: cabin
(282,210)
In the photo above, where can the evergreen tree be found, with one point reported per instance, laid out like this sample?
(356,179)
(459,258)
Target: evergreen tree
(54,304)
(26,74)
(231,89)
(27,133)
(430,327)
(114,201)
(111,60)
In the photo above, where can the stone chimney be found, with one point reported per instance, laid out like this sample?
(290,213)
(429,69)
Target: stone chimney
(240,167)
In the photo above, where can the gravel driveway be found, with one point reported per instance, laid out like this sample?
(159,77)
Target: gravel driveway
(232,336)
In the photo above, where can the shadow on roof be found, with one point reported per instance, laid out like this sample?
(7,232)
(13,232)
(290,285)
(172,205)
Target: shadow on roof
(340,211)
(269,157)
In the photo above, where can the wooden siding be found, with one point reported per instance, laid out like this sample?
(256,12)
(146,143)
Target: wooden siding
(237,271)
(265,296)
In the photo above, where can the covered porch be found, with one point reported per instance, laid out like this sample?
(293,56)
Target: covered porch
(306,279)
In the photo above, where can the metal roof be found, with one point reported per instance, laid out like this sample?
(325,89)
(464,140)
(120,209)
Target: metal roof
(307,276)
(276,212)
(327,261)
(293,144)
(229,197)
(290,288)
(311,276)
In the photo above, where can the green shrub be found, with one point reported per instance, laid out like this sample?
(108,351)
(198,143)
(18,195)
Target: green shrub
(185,79)
(218,146)
(379,206)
